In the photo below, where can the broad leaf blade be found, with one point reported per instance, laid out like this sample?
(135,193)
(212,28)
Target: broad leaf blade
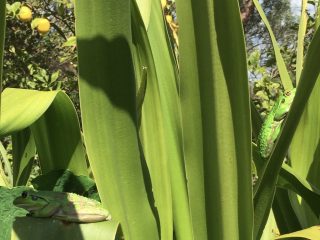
(107,97)
(154,134)
(55,126)
(21,108)
(167,80)
(58,138)
(216,119)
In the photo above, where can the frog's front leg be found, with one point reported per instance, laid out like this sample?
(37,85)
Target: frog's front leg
(47,211)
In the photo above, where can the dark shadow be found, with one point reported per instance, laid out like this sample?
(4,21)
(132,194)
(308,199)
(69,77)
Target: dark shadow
(116,78)
(315,167)
(282,209)
(65,181)
(314,174)
(50,229)
(31,226)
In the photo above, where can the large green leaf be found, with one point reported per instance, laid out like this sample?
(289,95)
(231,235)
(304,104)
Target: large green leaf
(169,104)
(305,153)
(216,119)
(265,189)
(58,138)
(107,97)
(154,134)
(54,125)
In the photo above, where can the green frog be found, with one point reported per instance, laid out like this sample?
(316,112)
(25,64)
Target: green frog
(273,122)
(64,206)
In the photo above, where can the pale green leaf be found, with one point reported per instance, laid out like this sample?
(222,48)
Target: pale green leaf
(168,89)
(54,124)
(311,233)
(301,35)
(216,119)
(154,135)
(107,97)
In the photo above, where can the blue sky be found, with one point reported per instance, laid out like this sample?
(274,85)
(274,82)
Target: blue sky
(296,5)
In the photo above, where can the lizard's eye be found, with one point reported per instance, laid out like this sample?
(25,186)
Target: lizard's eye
(34,198)
(24,194)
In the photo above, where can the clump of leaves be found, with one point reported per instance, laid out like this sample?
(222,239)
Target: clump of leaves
(265,86)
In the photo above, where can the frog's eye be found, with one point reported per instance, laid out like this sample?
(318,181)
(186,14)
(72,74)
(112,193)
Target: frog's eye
(24,194)
(34,198)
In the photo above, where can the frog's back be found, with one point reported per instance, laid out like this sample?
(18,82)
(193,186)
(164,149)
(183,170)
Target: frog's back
(265,140)
(81,209)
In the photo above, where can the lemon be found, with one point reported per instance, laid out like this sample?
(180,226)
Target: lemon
(43,26)
(163,3)
(25,14)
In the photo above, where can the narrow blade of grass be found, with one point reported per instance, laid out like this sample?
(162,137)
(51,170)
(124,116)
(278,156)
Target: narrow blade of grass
(284,75)
(301,34)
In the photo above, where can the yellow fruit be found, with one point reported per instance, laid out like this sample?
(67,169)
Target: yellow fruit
(43,26)
(163,3)
(25,14)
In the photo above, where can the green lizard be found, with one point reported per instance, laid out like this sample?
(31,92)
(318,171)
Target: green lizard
(273,122)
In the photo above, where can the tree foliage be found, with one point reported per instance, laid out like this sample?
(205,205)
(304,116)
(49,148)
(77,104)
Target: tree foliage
(36,61)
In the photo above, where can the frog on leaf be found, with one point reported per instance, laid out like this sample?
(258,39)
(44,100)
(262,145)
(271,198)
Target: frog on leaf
(64,206)
(273,122)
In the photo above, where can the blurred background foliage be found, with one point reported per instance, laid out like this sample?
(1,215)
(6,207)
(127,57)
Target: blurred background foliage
(48,62)
(42,62)
(263,74)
